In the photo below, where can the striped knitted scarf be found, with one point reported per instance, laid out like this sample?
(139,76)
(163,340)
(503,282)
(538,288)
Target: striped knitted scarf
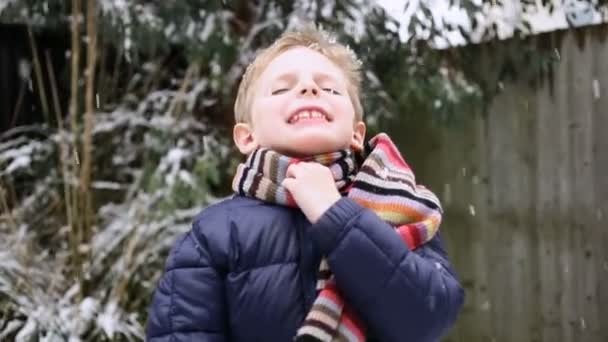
(377,178)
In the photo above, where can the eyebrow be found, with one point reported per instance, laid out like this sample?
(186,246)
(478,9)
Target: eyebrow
(317,75)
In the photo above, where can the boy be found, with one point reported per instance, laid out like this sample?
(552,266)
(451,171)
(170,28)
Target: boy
(315,209)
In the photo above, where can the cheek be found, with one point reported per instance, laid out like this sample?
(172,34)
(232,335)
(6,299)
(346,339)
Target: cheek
(262,109)
(345,107)
(271,106)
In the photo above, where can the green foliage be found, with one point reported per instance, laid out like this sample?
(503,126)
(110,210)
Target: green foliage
(187,193)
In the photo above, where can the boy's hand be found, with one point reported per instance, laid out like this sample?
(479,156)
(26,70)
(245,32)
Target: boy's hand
(313,188)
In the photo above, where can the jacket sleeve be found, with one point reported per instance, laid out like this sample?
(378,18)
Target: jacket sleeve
(188,304)
(400,294)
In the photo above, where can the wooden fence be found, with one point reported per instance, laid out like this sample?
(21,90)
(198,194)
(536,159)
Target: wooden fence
(525,188)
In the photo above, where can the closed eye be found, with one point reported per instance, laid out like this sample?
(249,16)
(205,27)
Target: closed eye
(332,91)
(279,91)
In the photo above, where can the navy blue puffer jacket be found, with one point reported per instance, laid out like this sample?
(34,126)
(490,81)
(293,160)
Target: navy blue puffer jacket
(247,272)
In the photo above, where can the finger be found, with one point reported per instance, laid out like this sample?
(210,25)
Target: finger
(289,184)
(322,168)
(317,167)
(311,165)
(303,168)
(293,170)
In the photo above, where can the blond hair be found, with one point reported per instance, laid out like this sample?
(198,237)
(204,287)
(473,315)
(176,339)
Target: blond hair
(310,37)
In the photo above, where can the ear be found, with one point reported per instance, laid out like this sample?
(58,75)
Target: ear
(358,136)
(243,138)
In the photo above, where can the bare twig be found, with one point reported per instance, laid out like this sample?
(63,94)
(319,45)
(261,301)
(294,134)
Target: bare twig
(103,77)
(175,106)
(63,148)
(120,289)
(19,103)
(54,94)
(236,70)
(38,72)
(13,133)
(115,72)
(153,78)
(5,208)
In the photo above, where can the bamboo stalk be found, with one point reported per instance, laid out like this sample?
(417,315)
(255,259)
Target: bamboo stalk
(63,149)
(38,72)
(75,237)
(75,57)
(87,134)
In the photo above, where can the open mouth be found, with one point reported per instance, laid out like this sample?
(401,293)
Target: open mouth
(308,116)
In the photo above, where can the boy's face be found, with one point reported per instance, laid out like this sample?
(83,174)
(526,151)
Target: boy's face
(300,107)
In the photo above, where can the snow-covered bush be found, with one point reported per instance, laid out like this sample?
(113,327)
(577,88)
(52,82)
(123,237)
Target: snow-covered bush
(153,172)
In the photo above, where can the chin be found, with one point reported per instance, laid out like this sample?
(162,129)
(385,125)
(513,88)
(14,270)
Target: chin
(307,145)
(307,151)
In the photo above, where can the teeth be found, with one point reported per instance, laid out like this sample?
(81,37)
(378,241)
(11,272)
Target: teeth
(306,115)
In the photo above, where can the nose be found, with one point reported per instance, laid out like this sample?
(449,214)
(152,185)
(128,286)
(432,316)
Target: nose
(309,91)
(308,88)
